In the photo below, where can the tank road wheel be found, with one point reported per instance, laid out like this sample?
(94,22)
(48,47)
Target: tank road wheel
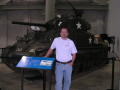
(9,59)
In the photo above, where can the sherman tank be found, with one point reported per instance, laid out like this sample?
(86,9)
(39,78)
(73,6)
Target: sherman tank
(92,52)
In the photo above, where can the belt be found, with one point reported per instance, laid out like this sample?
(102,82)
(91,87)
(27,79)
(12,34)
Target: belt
(64,62)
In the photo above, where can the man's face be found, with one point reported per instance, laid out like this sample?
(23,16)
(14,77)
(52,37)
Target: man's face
(64,33)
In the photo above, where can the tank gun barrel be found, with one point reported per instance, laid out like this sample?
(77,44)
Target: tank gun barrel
(29,24)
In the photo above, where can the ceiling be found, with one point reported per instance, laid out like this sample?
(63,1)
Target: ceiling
(4,2)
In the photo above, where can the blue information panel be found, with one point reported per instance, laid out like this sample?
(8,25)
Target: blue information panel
(36,63)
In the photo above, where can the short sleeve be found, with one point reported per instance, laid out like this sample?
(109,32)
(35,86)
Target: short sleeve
(53,45)
(74,49)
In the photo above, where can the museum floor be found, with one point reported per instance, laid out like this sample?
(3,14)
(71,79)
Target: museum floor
(97,80)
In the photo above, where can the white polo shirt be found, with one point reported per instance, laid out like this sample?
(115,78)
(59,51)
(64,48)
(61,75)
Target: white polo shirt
(64,49)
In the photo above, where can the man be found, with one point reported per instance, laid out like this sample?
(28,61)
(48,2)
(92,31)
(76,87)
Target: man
(65,57)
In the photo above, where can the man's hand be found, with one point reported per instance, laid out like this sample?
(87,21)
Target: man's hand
(71,64)
(73,59)
(49,52)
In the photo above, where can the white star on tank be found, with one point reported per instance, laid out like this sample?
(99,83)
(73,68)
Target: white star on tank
(78,25)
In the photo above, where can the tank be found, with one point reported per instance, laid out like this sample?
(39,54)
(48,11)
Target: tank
(91,54)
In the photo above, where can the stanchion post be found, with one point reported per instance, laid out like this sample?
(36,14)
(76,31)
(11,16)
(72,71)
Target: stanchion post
(113,63)
(44,80)
(22,79)
(50,80)
(113,74)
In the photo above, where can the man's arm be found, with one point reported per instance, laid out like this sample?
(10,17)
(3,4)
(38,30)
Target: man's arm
(49,52)
(74,53)
(73,59)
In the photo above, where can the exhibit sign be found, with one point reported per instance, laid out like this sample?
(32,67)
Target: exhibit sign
(36,63)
